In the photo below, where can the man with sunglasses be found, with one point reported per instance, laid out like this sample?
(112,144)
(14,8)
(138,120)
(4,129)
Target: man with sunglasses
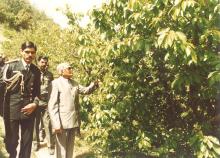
(22,80)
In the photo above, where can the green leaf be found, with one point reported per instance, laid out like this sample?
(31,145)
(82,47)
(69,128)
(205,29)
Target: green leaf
(214,73)
(214,140)
(181,36)
(207,154)
(194,57)
(169,39)
(216,148)
(166,57)
(184,114)
(217,8)
(177,82)
(214,77)
(188,51)
(203,148)
(210,144)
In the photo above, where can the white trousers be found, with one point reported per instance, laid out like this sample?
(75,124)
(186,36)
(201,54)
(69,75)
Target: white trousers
(65,143)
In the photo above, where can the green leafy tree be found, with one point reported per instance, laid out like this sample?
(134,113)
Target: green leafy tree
(17,14)
(154,59)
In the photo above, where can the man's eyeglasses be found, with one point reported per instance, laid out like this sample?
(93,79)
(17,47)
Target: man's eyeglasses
(69,68)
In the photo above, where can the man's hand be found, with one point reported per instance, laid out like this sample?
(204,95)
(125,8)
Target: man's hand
(28,109)
(57,131)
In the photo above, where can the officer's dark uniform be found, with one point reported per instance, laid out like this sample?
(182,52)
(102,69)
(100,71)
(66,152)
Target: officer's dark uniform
(16,98)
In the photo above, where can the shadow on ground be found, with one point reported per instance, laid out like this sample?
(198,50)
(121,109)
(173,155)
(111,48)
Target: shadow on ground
(115,155)
(86,155)
(129,155)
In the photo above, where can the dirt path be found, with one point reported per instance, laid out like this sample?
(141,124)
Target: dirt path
(81,150)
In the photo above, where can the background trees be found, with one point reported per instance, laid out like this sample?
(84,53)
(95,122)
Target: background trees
(17,14)
(159,70)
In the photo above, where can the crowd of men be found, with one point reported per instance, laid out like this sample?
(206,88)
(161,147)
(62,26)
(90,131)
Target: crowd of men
(33,102)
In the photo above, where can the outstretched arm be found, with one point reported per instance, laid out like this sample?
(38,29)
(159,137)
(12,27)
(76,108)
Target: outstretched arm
(87,90)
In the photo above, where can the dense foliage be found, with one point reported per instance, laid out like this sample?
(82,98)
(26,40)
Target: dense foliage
(18,14)
(158,66)
(157,61)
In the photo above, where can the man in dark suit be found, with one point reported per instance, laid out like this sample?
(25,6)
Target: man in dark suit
(22,79)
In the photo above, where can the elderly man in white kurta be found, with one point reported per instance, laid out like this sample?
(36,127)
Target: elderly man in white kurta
(64,109)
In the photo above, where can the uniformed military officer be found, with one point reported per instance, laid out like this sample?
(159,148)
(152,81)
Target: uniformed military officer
(22,98)
(42,111)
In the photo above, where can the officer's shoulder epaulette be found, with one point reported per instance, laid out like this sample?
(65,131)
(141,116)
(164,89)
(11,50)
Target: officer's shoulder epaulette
(11,61)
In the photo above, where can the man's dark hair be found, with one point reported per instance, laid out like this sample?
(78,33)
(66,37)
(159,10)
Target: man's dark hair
(28,44)
(43,57)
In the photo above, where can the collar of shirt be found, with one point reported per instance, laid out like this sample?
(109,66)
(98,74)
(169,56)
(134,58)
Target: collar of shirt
(65,80)
(43,72)
(25,64)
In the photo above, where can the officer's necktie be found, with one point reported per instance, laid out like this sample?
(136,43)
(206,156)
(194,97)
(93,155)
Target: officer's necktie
(27,67)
